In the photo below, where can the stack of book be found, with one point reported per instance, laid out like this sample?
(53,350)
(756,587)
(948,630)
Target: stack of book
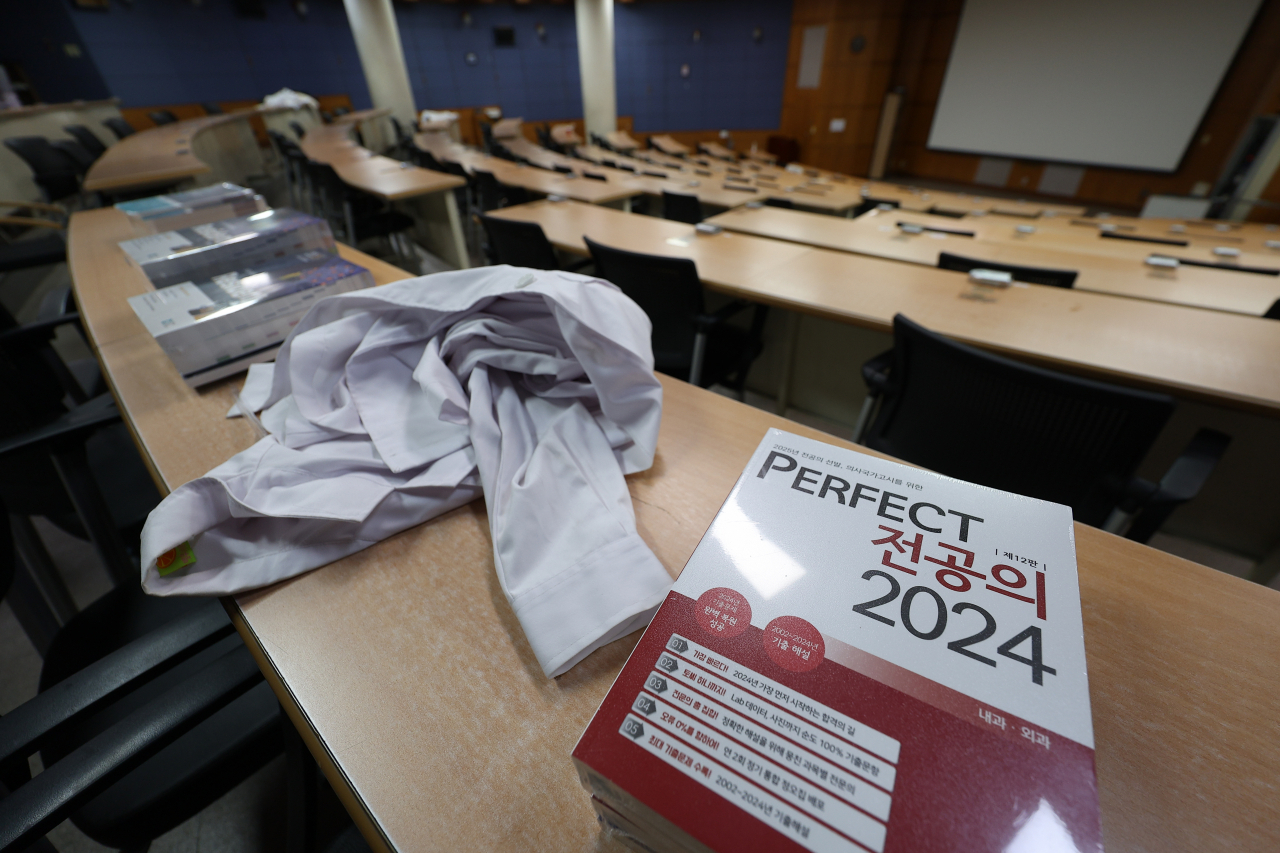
(189,253)
(228,293)
(859,656)
(194,207)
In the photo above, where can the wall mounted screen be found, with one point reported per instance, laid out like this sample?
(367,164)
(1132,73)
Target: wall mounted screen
(1089,81)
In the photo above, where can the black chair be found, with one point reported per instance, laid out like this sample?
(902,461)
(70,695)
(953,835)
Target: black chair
(522,244)
(358,215)
(48,248)
(119,127)
(125,760)
(1030,275)
(784,203)
(341,111)
(1273,313)
(77,153)
(681,208)
(54,171)
(494,194)
(979,417)
(547,141)
(213,109)
(162,117)
(298,130)
(688,343)
(87,139)
(404,140)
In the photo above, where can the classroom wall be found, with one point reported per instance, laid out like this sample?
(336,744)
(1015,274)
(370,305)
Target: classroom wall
(928,29)
(734,82)
(36,36)
(154,52)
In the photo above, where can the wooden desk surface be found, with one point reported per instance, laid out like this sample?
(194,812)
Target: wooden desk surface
(158,155)
(410,679)
(1218,357)
(877,233)
(363,169)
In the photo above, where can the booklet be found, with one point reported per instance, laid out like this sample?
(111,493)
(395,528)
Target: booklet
(200,206)
(205,250)
(219,326)
(859,655)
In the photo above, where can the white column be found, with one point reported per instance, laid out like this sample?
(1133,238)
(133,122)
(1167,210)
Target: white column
(595,63)
(373,23)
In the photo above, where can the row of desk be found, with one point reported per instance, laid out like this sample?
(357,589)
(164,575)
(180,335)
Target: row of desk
(409,677)
(1105,265)
(1218,357)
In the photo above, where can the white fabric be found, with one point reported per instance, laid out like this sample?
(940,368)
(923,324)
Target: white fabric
(290,99)
(390,406)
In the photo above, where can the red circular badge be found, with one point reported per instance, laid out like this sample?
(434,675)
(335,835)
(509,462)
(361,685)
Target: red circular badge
(794,644)
(723,612)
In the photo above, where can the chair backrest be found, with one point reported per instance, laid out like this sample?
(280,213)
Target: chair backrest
(212,109)
(1273,313)
(669,291)
(119,127)
(979,417)
(54,170)
(681,207)
(494,194)
(1031,275)
(87,139)
(784,203)
(162,117)
(76,152)
(298,130)
(520,244)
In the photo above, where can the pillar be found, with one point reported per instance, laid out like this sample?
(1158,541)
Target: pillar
(373,23)
(595,63)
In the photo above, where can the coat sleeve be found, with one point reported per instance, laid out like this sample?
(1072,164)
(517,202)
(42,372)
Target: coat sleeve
(565,545)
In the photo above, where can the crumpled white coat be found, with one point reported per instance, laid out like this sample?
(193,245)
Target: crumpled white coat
(390,406)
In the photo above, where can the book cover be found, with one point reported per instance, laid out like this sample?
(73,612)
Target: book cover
(212,328)
(200,206)
(859,655)
(202,251)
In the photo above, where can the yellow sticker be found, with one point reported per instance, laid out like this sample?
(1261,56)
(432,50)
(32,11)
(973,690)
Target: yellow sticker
(175,558)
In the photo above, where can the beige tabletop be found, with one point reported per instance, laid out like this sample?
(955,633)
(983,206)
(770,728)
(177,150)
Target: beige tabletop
(366,171)
(1215,356)
(878,233)
(667,145)
(158,155)
(409,677)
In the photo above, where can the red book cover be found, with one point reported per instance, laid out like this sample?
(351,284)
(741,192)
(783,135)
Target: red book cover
(859,656)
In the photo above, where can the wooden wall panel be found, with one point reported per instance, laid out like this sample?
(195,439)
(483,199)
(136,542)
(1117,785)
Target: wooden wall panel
(1250,87)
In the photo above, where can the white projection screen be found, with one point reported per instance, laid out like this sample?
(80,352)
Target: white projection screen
(1102,82)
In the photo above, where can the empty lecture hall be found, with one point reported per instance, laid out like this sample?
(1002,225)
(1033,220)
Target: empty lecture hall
(339,339)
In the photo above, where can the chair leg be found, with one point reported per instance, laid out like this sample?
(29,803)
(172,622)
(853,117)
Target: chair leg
(699,356)
(302,777)
(864,418)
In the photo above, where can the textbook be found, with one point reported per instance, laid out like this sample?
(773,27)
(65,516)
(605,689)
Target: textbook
(203,251)
(201,206)
(221,325)
(858,656)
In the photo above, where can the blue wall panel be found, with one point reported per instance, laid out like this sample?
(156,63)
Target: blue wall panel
(537,79)
(170,51)
(153,52)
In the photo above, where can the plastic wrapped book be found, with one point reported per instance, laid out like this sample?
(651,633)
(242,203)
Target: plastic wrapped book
(204,251)
(859,656)
(201,206)
(220,325)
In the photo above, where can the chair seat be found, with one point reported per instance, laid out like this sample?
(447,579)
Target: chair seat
(41,251)
(190,773)
(728,348)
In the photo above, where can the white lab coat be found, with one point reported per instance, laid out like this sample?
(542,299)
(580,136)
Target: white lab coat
(390,406)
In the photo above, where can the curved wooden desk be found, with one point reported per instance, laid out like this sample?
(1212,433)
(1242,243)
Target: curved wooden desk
(167,154)
(409,678)
(438,224)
